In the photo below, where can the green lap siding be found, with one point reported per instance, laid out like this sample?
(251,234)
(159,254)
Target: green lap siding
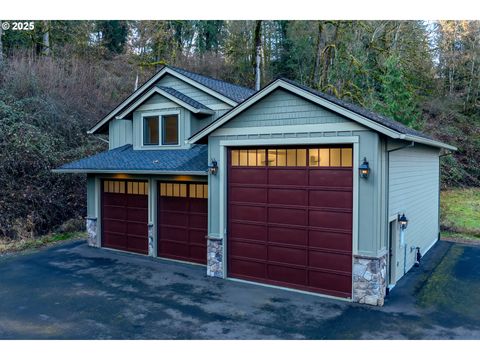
(413,190)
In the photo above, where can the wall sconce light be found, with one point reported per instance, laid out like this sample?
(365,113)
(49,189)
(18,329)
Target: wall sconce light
(213,167)
(364,169)
(403,221)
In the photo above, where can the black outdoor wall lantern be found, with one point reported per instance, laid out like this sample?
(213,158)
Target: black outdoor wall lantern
(403,221)
(364,169)
(213,167)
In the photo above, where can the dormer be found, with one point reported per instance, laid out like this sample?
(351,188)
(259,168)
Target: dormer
(168,109)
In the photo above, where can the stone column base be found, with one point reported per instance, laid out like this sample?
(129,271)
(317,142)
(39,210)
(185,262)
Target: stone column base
(92,239)
(215,257)
(151,247)
(369,283)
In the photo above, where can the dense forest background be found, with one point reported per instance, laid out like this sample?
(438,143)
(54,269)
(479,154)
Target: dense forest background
(60,78)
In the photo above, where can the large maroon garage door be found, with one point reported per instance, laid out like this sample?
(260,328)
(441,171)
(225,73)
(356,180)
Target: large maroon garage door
(125,215)
(290,217)
(182,222)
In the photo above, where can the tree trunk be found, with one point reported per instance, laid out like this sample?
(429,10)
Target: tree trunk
(258,51)
(328,58)
(46,38)
(472,74)
(318,56)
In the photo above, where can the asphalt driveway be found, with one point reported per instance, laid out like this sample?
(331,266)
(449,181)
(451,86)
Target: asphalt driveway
(72,291)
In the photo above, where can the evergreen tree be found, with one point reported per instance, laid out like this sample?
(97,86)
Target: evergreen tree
(113,34)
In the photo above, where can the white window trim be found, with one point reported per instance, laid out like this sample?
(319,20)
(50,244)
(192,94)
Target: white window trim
(160,114)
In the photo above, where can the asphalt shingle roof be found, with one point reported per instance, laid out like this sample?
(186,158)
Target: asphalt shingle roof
(235,92)
(184,98)
(380,119)
(124,158)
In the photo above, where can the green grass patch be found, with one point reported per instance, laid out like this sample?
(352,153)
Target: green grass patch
(7,245)
(460,213)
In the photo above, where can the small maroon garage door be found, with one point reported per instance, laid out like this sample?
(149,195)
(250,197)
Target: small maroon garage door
(125,215)
(290,217)
(182,221)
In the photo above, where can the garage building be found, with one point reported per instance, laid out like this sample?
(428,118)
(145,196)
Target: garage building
(283,187)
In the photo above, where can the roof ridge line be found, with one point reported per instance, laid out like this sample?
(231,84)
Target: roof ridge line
(209,77)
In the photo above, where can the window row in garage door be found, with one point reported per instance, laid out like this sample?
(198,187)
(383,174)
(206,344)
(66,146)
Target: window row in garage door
(181,222)
(323,157)
(290,218)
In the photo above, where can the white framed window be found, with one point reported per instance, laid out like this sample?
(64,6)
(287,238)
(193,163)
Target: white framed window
(161,129)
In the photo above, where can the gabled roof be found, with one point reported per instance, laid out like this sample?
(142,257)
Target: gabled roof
(229,93)
(193,161)
(380,119)
(369,119)
(235,92)
(186,99)
(171,94)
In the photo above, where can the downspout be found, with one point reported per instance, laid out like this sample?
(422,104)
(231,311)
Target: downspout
(402,235)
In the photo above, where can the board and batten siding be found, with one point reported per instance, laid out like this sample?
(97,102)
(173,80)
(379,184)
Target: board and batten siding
(414,190)
(284,115)
(119,133)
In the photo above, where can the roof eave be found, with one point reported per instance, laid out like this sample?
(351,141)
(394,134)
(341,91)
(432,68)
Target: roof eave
(301,92)
(429,142)
(320,101)
(123,171)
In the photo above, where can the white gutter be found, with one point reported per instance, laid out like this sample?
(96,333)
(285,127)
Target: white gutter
(425,141)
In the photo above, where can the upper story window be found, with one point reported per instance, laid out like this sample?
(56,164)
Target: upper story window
(169,130)
(150,130)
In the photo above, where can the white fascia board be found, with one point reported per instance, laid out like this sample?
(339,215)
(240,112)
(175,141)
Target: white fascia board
(97,171)
(302,93)
(136,93)
(166,95)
